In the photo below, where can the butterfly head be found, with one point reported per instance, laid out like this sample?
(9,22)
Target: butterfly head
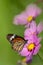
(10,37)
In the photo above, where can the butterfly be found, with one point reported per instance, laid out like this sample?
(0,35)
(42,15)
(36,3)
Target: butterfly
(17,42)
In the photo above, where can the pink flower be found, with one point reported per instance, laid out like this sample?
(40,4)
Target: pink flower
(35,42)
(31,12)
(31,48)
(33,30)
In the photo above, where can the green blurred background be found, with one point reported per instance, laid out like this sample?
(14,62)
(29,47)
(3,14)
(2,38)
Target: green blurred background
(8,9)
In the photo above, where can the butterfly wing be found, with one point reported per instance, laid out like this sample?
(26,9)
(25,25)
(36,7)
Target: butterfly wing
(17,42)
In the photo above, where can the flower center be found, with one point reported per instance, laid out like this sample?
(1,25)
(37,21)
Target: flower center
(31,46)
(29,18)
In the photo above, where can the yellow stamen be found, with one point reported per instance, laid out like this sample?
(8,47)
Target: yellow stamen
(24,60)
(29,18)
(31,46)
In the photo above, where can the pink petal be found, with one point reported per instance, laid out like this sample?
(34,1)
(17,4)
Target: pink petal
(29,56)
(29,31)
(33,26)
(39,40)
(27,25)
(37,49)
(26,38)
(33,10)
(31,37)
(34,39)
(40,27)
(20,19)
(24,52)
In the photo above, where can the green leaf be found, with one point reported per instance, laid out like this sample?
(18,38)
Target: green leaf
(8,9)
